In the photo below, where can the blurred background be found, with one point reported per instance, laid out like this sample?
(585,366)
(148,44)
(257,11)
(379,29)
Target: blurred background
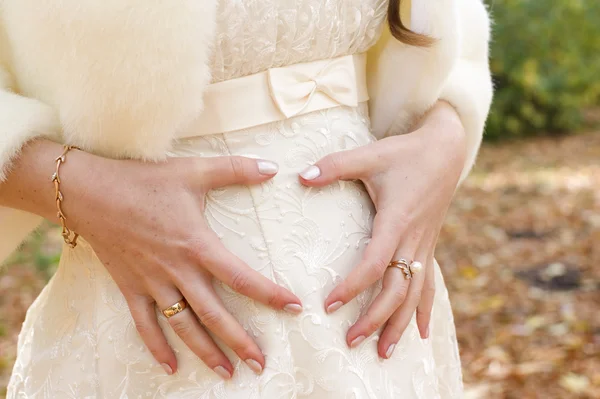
(521,245)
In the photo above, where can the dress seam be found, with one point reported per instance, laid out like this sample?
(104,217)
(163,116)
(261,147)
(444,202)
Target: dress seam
(258,220)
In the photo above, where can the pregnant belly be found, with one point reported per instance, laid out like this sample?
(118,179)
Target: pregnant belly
(304,238)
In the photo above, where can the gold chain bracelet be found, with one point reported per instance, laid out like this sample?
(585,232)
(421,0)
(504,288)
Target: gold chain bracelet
(69,236)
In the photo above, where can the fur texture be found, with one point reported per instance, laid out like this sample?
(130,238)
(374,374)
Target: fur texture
(469,86)
(123,75)
(406,81)
(119,78)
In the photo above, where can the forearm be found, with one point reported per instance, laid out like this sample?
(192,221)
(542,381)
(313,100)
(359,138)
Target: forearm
(29,186)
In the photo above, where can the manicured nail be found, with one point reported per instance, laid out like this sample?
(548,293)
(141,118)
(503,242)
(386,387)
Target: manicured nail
(167,368)
(254,365)
(222,372)
(334,306)
(357,341)
(389,351)
(293,308)
(427,333)
(267,167)
(311,173)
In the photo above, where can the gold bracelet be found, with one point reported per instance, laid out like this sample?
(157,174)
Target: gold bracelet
(66,232)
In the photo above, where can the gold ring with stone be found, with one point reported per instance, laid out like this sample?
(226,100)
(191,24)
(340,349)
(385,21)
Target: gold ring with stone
(403,265)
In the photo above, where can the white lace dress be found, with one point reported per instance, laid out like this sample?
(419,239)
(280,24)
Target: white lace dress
(79,340)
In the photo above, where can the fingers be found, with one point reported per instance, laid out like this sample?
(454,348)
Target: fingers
(379,252)
(427,296)
(426,304)
(344,165)
(144,315)
(394,292)
(392,295)
(225,171)
(231,270)
(186,326)
(402,316)
(215,317)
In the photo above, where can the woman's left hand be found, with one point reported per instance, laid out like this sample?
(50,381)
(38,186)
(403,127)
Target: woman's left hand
(411,179)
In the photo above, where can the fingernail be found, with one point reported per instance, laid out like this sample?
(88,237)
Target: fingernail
(254,365)
(167,368)
(267,167)
(334,306)
(222,372)
(311,173)
(427,333)
(293,308)
(389,351)
(357,341)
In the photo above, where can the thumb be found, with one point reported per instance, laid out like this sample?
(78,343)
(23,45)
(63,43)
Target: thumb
(344,165)
(229,170)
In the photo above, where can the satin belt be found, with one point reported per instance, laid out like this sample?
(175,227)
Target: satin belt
(281,93)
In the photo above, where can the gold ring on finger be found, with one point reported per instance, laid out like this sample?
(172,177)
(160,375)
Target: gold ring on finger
(403,265)
(174,309)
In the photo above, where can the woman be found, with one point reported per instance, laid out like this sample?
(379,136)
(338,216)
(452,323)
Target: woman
(226,247)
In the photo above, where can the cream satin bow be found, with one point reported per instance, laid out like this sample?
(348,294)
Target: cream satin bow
(293,87)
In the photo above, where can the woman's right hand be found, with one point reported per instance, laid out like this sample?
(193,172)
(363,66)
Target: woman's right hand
(146,224)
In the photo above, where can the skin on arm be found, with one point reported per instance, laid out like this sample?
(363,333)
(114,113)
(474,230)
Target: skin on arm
(29,187)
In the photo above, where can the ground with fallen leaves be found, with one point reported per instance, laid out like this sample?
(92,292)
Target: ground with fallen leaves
(520,262)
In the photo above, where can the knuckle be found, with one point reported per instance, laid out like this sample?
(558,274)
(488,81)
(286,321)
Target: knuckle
(240,281)
(400,293)
(210,358)
(182,327)
(395,330)
(273,299)
(394,223)
(429,288)
(142,327)
(211,318)
(423,312)
(416,294)
(195,248)
(380,265)
(373,325)
(417,230)
(148,280)
(156,351)
(429,285)
(244,348)
(336,162)
(238,168)
(402,219)
(350,291)
(240,345)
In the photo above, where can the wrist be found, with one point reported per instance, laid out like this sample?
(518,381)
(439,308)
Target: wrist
(445,116)
(441,129)
(443,122)
(83,183)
